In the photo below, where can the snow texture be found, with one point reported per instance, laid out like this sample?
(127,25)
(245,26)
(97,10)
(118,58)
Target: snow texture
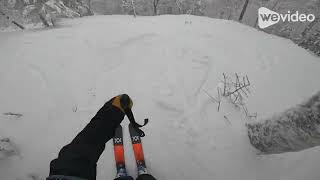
(57,79)
(296,129)
(7,148)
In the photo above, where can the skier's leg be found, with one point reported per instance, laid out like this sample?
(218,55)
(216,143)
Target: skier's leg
(124,178)
(79,158)
(145,177)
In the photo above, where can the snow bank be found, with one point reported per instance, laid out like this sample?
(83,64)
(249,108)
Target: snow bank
(293,130)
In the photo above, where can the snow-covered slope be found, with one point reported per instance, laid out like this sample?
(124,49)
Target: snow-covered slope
(58,78)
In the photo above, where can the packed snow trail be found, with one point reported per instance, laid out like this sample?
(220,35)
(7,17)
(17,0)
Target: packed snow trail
(58,79)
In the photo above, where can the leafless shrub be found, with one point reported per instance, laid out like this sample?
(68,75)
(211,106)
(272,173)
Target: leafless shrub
(215,100)
(235,86)
(236,90)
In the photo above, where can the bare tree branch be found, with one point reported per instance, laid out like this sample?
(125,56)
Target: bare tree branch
(12,21)
(214,99)
(219,99)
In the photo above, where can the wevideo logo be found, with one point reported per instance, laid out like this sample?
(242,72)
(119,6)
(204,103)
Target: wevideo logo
(268,17)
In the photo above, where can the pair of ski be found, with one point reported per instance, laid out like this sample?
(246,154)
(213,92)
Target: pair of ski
(119,151)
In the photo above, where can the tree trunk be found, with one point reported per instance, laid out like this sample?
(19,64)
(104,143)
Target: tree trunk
(243,11)
(44,21)
(133,8)
(155,6)
(293,130)
(179,6)
(89,4)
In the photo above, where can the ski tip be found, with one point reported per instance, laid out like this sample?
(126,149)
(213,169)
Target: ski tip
(117,138)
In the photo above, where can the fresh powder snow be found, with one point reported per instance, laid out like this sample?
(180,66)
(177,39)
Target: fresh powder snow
(53,81)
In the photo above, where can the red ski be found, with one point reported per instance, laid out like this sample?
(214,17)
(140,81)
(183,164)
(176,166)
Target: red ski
(119,152)
(138,150)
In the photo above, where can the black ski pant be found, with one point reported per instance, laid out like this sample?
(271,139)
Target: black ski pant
(79,157)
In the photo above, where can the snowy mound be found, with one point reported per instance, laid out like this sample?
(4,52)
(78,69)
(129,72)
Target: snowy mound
(53,81)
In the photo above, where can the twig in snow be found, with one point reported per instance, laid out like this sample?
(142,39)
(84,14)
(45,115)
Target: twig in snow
(227,119)
(75,108)
(224,84)
(219,99)
(237,89)
(240,86)
(18,115)
(215,100)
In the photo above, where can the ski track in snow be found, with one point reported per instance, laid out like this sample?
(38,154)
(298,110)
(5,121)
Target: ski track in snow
(59,86)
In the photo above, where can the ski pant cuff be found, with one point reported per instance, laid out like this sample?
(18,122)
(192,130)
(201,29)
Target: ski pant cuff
(62,177)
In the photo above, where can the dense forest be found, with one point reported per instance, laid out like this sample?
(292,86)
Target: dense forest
(305,34)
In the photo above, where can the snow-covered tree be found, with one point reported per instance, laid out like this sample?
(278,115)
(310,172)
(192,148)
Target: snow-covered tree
(9,15)
(129,6)
(194,7)
(168,7)
(138,7)
(47,11)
